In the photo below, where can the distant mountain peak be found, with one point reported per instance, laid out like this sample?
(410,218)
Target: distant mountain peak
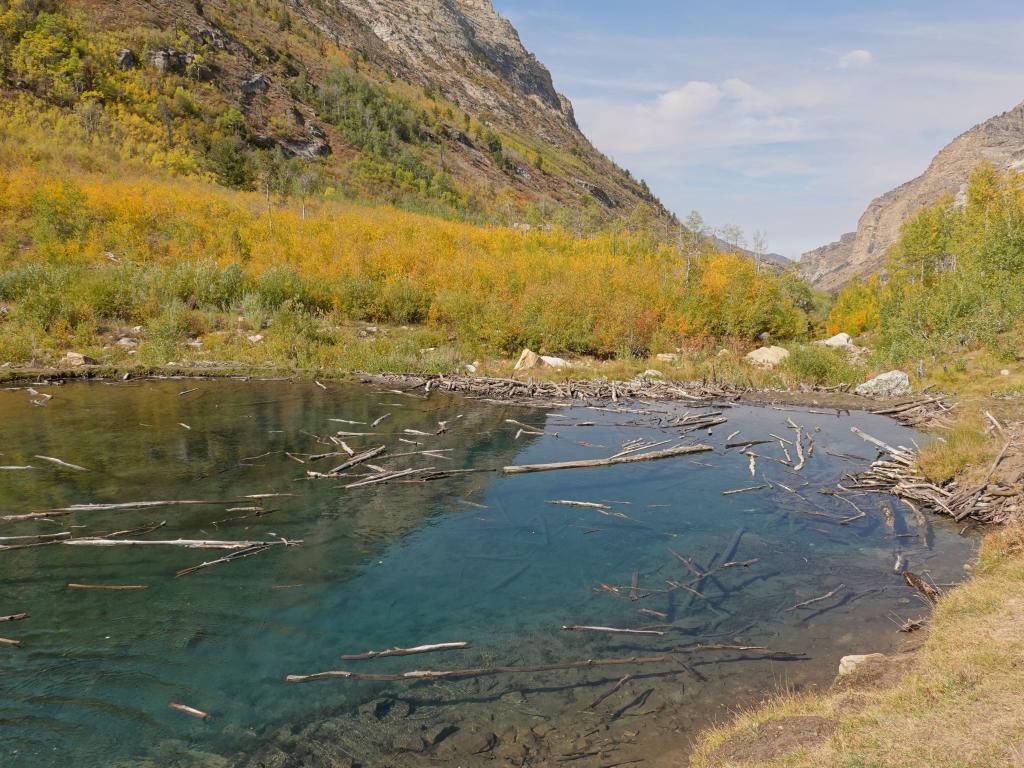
(999,141)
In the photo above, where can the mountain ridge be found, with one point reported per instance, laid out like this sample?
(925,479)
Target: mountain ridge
(998,141)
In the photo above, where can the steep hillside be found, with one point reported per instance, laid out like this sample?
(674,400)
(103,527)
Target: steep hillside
(999,141)
(434,103)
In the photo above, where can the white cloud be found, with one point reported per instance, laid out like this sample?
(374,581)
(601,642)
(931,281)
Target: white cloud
(856,59)
(690,119)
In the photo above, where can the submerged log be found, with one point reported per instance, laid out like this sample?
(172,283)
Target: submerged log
(457,674)
(683,450)
(814,600)
(186,543)
(458,646)
(932,594)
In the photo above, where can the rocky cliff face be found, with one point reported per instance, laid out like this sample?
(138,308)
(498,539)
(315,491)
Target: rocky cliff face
(468,50)
(999,141)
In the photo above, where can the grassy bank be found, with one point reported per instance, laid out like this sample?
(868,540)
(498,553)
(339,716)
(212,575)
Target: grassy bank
(956,705)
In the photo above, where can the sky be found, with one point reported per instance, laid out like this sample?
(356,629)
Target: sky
(782,117)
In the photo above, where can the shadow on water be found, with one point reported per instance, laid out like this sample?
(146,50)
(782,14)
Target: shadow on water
(480,557)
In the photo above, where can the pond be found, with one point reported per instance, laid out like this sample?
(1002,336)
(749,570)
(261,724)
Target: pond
(481,558)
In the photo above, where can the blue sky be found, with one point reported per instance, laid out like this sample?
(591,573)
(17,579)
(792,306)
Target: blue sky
(783,117)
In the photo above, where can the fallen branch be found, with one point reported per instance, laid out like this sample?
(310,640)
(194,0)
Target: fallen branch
(240,555)
(406,651)
(186,543)
(814,600)
(588,463)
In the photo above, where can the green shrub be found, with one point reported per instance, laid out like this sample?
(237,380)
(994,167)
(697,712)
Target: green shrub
(818,364)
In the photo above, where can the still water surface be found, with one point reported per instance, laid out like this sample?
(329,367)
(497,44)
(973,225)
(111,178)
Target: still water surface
(479,558)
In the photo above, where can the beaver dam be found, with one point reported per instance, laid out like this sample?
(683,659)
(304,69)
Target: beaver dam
(232,573)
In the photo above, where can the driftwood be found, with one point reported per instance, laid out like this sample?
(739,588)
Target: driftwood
(191,711)
(406,651)
(110,587)
(616,631)
(239,555)
(745,490)
(186,543)
(14,617)
(582,504)
(458,674)
(683,450)
(897,473)
(60,463)
(931,593)
(62,511)
(6,641)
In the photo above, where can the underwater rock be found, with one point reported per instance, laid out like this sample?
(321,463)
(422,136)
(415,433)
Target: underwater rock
(385,710)
(850,664)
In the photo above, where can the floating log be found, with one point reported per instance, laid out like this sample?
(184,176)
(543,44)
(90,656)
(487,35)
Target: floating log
(60,463)
(615,631)
(191,711)
(110,587)
(583,504)
(456,674)
(683,450)
(358,459)
(14,617)
(186,543)
(5,641)
(435,648)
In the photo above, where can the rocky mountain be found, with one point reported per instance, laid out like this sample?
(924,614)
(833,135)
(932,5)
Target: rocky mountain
(999,141)
(443,86)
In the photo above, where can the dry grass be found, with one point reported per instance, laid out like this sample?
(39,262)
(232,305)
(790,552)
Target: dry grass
(957,707)
(965,449)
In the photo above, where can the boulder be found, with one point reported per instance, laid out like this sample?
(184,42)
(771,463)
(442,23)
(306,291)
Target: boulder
(529,360)
(768,357)
(1004,372)
(652,373)
(256,84)
(255,339)
(168,61)
(891,384)
(668,357)
(556,362)
(75,360)
(127,342)
(839,341)
(850,664)
(126,59)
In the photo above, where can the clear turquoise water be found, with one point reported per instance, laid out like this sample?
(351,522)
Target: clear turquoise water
(400,565)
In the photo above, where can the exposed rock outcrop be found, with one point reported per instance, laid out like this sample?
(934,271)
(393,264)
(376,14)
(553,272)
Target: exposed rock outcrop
(999,141)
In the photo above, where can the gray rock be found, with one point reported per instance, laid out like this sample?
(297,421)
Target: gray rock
(850,664)
(126,59)
(438,733)
(768,357)
(168,61)
(891,384)
(256,84)
(529,360)
(839,341)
